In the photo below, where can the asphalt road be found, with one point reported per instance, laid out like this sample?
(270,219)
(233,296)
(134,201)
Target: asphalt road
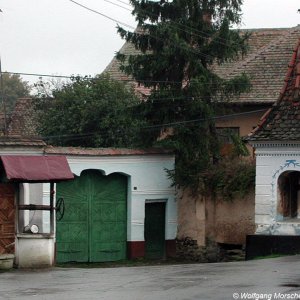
(277,278)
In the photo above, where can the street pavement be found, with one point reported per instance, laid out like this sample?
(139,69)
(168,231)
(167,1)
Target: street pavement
(277,278)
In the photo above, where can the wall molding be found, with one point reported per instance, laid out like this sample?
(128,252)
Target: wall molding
(275,144)
(268,154)
(153,192)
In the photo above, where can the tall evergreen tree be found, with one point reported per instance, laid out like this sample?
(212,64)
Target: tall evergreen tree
(178,42)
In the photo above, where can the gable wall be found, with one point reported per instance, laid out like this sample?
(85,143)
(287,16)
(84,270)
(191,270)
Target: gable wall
(272,160)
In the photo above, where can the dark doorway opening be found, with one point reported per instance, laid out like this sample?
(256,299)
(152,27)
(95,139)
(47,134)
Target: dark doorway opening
(289,196)
(155,230)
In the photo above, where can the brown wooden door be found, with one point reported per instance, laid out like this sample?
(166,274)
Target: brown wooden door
(7,218)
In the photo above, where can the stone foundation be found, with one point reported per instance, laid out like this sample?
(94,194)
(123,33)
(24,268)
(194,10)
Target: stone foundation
(188,250)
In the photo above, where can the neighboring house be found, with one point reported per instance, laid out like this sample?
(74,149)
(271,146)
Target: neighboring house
(277,147)
(265,63)
(120,205)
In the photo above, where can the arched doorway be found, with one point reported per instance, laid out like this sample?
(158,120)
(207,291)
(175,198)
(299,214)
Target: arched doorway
(289,194)
(93,227)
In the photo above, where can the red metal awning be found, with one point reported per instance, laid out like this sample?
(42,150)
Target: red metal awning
(36,168)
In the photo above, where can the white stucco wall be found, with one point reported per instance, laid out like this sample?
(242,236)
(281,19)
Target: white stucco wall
(272,159)
(34,251)
(147,180)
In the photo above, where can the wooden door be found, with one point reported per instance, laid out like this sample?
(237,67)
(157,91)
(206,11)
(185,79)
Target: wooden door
(155,230)
(93,228)
(7,219)
(108,228)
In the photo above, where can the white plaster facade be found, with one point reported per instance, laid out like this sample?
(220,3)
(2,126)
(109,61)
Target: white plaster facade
(272,160)
(147,181)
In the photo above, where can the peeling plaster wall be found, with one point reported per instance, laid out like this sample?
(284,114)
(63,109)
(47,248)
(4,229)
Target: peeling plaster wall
(191,217)
(273,159)
(235,220)
(203,219)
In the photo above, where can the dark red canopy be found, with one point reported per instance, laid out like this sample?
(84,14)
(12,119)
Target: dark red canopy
(36,168)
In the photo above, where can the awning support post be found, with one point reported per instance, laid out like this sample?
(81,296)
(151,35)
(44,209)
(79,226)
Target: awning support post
(52,207)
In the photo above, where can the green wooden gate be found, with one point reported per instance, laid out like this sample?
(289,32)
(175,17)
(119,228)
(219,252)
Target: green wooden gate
(155,230)
(93,227)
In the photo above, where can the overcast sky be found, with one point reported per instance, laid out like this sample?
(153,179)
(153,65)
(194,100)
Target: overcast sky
(62,38)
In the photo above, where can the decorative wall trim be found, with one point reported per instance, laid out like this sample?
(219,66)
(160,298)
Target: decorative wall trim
(275,144)
(268,154)
(286,166)
(153,192)
(156,201)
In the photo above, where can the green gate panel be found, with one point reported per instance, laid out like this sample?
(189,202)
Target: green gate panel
(71,231)
(94,226)
(155,230)
(108,218)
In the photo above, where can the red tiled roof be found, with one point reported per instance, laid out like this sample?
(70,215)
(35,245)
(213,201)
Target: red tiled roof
(104,151)
(113,69)
(20,129)
(2,123)
(265,64)
(22,121)
(282,121)
(20,141)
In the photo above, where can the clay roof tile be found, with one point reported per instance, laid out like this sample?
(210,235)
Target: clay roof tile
(281,122)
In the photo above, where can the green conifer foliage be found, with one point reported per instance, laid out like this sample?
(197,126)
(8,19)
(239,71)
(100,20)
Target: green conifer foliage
(178,42)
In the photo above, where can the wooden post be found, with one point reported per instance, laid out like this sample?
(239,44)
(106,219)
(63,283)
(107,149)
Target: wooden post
(51,207)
